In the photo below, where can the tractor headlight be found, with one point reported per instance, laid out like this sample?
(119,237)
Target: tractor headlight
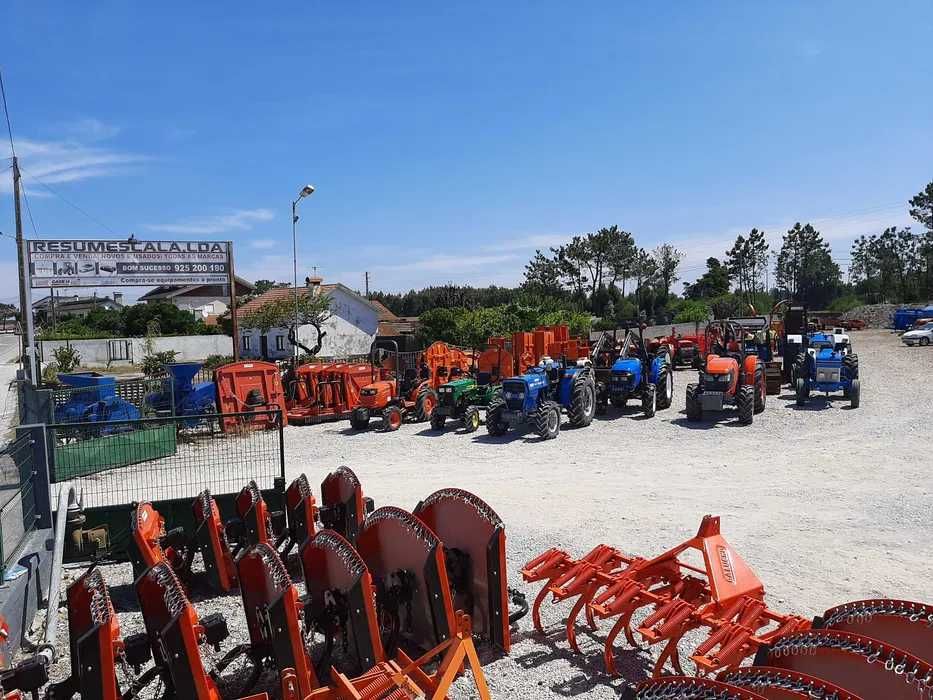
(368,392)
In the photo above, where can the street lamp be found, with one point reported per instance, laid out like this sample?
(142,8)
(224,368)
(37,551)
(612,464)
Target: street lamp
(306,191)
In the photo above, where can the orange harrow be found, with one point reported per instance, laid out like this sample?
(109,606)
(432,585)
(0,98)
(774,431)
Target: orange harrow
(726,598)
(150,543)
(211,539)
(343,507)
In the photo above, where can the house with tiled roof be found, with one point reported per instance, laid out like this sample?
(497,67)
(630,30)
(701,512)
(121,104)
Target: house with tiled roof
(206,301)
(350,330)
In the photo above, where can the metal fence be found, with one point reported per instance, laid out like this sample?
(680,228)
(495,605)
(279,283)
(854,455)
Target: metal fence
(168,458)
(18,511)
(132,391)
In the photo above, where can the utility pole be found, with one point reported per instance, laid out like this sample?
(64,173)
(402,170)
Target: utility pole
(25,313)
(367,285)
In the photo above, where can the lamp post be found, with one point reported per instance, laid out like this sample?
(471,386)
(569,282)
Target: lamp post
(306,191)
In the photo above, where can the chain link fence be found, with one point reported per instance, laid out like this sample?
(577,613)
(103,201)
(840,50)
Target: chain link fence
(18,513)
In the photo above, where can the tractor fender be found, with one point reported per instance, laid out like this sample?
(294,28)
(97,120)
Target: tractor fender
(749,369)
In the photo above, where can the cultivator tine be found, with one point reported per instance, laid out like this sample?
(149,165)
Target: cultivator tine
(176,633)
(300,514)
(343,508)
(688,688)
(782,684)
(406,560)
(902,623)
(862,665)
(474,553)
(211,538)
(340,598)
(150,543)
(95,645)
(273,615)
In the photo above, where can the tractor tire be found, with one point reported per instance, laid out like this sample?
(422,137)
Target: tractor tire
(546,420)
(359,418)
(800,367)
(850,362)
(391,419)
(649,400)
(855,391)
(438,420)
(745,403)
(425,404)
(802,393)
(582,402)
(761,390)
(602,399)
(495,426)
(665,395)
(694,409)
(471,419)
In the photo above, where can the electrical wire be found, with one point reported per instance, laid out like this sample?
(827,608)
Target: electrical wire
(71,204)
(9,126)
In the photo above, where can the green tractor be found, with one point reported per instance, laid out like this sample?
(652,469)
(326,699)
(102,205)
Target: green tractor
(464,396)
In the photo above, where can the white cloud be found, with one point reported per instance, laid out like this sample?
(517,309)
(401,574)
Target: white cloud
(237,220)
(541,241)
(263,243)
(90,129)
(55,162)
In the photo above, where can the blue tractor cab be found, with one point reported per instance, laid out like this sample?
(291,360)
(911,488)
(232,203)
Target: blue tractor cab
(636,374)
(536,398)
(828,368)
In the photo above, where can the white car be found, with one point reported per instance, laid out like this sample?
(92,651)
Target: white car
(919,336)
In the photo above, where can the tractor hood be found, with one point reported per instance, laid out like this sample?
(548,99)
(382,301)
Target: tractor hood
(521,393)
(825,356)
(629,365)
(459,384)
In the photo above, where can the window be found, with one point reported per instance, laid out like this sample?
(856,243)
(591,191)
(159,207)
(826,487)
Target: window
(247,342)
(280,342)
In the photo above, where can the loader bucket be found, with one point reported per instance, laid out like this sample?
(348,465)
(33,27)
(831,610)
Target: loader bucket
(338,586)
(342,504)
(474,552)
(245,387)
(272,606)
(211,538)
(175,634)
(780,683)
(406,560)
(901,623)
(861,665)
(300,512)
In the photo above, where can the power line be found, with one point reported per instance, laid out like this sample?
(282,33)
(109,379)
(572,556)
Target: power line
(29,212)
(9,127)
(70,203)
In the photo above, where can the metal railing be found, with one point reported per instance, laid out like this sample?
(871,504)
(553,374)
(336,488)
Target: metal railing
(18,513)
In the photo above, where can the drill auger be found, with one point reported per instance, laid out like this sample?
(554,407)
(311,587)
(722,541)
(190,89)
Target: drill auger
(341,599)
(474,553)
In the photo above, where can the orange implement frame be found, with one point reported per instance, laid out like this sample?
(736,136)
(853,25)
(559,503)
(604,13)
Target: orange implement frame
(250,386)
(211,538)
(405,678)
(328,391)
(723,595)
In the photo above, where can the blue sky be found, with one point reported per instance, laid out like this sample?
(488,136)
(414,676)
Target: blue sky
(447,141)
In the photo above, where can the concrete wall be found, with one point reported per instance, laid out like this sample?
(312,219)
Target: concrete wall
(350,331)
(96,353)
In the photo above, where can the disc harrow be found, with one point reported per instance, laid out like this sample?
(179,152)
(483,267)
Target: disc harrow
(903,623)
(211,540)
(343,507)
(150,543)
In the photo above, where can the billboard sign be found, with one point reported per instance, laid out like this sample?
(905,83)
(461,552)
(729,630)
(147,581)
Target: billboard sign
(108,263)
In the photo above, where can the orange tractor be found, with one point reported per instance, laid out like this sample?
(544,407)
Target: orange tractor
(732,375)
(407,383)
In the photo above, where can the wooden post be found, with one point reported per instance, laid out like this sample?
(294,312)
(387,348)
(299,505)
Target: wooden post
(234,328)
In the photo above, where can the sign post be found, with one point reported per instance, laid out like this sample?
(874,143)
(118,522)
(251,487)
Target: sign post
(124,263)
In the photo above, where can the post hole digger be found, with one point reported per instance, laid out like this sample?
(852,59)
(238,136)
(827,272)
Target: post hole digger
(733,375)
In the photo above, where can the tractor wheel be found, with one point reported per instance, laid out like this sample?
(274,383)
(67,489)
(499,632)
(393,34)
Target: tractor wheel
(359,418)
(694,409)
(761,390)
(802,392)
(665,387)
(850,362)
(745,403)
(438,420)
(800,367)
(425,404)
(471,419)
(546,420)
(582,403)
(392,418)
(495,426)
(649,400)
(855,391)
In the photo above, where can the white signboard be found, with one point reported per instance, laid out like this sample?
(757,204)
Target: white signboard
(103,263)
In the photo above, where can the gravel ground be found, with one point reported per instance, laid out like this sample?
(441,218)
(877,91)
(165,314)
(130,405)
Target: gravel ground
(826,504)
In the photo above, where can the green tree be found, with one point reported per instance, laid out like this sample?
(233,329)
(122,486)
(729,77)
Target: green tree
(712,283)
(693,312)
(666,261)
(313,310)
(747,261)
(805,268)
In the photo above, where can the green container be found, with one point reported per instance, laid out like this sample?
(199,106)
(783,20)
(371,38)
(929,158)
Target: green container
(100,454)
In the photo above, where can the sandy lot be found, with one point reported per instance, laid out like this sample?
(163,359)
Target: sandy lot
(826,504)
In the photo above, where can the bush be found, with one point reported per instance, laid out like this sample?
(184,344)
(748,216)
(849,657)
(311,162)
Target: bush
(215,361)
(50,374)
(693,312)
(67,358)
(154,364)
(846,303)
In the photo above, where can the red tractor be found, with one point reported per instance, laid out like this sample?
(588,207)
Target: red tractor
(733,375)
(407,385)
(684,350)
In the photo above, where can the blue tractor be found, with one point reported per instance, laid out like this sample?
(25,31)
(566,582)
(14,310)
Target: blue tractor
(536,398)
(634,373)
(827,366)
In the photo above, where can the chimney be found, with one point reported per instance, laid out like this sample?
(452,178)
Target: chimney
(118,298)
(314,284)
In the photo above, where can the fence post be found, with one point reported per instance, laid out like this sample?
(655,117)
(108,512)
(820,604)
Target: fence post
(41,482)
